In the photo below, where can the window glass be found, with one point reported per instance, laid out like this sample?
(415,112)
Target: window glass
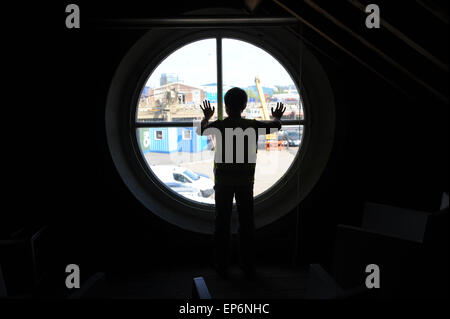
(179,84)
(264,79)
(158,135)
(266,82)
(182,159)
(187,134)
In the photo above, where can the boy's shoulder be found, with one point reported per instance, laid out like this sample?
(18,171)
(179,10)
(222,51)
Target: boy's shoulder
(241,121)
(250,121)
(232,123)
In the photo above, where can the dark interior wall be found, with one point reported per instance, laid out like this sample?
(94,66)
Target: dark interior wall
(388,148)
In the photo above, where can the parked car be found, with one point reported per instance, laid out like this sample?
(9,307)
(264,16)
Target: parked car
(170,174)
(292,137)
(190,192)
(182,188)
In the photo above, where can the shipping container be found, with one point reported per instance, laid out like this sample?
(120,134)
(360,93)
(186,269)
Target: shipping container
(171,139)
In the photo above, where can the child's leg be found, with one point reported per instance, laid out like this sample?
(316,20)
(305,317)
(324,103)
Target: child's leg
(244,202)
(224,204)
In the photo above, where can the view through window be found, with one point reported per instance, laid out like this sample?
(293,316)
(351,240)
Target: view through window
(170,102)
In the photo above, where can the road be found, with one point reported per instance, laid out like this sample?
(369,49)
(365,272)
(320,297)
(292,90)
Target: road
(270,165)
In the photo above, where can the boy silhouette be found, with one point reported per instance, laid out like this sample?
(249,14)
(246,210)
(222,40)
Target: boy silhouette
(234,170)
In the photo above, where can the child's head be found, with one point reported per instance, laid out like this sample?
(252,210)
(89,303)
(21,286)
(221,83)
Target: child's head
(235,101)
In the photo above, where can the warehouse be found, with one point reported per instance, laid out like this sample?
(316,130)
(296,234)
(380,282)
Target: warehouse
(185,94)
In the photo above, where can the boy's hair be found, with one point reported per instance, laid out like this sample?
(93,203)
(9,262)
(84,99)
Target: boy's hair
(236,99)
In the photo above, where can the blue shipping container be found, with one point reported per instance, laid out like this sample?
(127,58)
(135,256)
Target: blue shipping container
(171,139)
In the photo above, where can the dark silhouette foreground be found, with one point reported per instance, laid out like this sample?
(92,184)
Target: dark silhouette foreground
(234,178)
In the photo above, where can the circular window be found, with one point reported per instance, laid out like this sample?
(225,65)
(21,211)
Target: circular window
(153,105)
(183,160)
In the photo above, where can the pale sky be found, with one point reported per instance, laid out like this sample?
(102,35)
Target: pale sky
(195,64)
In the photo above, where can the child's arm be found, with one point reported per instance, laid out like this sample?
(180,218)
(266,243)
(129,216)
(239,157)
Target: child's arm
(276,122)
(208,112)
(278,113)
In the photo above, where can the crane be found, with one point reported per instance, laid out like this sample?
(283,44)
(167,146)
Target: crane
(262,99)
(271,139)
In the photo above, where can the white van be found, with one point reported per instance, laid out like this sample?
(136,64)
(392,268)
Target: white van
(176,174)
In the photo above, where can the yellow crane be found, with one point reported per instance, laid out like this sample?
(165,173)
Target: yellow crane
(271,139)
(262,99)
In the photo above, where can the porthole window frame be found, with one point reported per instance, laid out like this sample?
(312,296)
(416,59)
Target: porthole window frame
(135,69)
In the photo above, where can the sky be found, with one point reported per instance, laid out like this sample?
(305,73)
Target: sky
(195,64)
